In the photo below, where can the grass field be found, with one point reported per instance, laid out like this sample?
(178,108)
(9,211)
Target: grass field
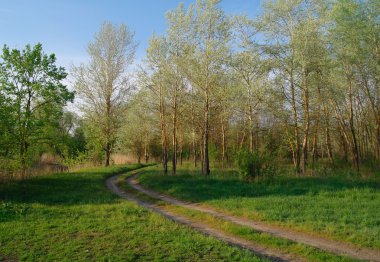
(73,217)
(340,208)
(299,250)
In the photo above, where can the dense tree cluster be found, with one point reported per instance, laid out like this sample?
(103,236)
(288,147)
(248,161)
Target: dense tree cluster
(300,82)
(32,99)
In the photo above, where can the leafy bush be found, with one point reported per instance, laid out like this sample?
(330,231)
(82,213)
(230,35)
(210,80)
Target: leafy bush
(253,166)
(82,160)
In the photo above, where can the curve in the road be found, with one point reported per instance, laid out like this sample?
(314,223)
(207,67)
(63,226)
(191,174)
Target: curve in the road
(261,251)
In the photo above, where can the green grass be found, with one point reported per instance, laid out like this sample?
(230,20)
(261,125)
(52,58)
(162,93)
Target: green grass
(340,208)
(302,251)
(73,217)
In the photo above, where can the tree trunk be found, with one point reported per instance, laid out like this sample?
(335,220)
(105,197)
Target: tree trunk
(327,134)
(296,154)
(108,153)
(180,154)
(163,132)
(146,155)
(242,141)
(344,145)
(193,129)
(306,129)
(223,139)
(315,140)
(194,152)
(375,108)
(251,138)
(202,153)
(108,126)
(174,137)
(206,163)
(354,144)
(348,140)
(223,145)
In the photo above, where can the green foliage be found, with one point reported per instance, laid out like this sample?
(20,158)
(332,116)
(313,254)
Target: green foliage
(78,159)
(76,143)
(135,134)
(33,97)
(254,166)
(276,84)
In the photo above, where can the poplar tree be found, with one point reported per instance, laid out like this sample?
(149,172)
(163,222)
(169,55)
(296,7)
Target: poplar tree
(208,47)
(104,84)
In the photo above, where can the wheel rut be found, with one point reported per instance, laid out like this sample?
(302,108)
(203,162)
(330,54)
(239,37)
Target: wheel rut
(259,250)
(321,243)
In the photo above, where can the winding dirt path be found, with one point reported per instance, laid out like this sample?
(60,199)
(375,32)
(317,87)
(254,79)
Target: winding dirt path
(259,250)
(325,244)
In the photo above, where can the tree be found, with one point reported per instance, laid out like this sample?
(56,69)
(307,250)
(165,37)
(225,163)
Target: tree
(203,62)
(70,139)
(103,84)
(137,133)
(355,43)
(296,49)
(6,127)
(33,94)
(250,69)
(306,88)
(155,80)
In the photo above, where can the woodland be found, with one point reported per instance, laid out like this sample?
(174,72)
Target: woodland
(234,139)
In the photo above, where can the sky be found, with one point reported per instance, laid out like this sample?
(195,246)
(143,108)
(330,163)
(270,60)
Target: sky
(65,27)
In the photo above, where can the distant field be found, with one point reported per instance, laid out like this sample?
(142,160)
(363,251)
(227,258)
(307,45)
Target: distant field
(73,217)
(340,208)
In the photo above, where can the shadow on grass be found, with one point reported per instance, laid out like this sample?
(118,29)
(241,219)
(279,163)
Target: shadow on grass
(84,187)
(198,188)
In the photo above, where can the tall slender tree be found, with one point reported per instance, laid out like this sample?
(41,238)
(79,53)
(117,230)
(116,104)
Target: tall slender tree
(103,84)
(205,58)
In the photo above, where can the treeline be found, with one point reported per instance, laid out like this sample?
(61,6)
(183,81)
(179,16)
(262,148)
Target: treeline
(300,83)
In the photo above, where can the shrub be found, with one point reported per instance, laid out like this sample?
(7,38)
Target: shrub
(253,166)
(82,159)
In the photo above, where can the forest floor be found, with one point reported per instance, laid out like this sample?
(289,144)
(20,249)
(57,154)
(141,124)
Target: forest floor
(74,217)
(199,188)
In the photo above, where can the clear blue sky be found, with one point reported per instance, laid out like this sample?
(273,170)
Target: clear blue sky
(64,27)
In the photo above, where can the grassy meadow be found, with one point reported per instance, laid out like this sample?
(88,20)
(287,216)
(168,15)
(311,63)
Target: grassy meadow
(265,240)
(336,207)
(73,217)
